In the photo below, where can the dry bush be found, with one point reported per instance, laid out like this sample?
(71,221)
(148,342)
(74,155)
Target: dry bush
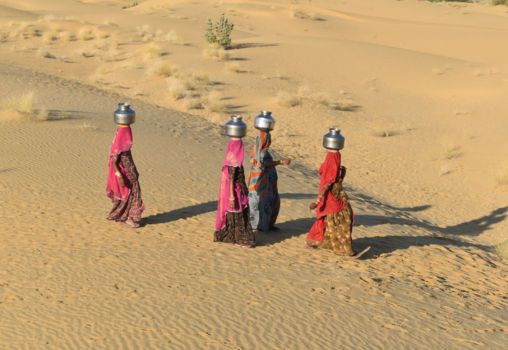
(89,127)
(22,104)
(216,52)
(453,152)
(87,33)
(145,33)
(45,54)
(502,248)
(214,102)
(152,51)
(66,36)
(49,37)
(233,67)
(288,100)
(172,37)
(502,177)
(192,103)
(385,133)
(162,69)
(86,53)
(301,14)
(176,89)
(128,6)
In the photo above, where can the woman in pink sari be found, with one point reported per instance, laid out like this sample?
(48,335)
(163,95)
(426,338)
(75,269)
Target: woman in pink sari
(232,224)
(123,180)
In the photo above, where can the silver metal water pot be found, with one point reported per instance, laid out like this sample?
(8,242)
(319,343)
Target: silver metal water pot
(264,121)
(124,114)
(333,140)
(236,127)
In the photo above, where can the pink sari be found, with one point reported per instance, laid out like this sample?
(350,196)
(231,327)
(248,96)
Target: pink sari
(234,157)
(121,143)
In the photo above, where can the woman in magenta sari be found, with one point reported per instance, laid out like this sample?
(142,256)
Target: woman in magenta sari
(232,224)
(123,180)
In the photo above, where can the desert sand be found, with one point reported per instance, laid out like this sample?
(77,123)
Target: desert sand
(419,90)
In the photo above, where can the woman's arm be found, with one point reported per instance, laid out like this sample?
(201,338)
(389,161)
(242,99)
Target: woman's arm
(118,174)
(275,163)
(231,171)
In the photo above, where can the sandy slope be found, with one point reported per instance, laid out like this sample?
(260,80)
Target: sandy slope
(428,198)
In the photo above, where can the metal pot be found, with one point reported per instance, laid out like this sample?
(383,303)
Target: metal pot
(333,140)
(264,121)
(124,114)
(236,127)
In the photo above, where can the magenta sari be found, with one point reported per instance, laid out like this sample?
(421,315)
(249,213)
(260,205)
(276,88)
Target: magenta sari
(121,143)
(234,158)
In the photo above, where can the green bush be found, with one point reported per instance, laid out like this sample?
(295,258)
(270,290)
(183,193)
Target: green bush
(219,33)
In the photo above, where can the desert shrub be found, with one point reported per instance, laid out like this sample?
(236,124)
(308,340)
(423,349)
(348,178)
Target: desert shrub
(500,2)
(219,33)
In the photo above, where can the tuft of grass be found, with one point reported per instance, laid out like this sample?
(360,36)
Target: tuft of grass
(233,67)
(49,37)
(45,54)
(86,33)
(192,103)
(499,2)
(128,6)
(385,133)
(66,36)
(152,51)
(502,249)
(288,100)
(502,177)
(216,52)
(22,104)
(89,127)
(87,53)
(453,152)
(162,69)
(176,89)
(214,102)
(300,14)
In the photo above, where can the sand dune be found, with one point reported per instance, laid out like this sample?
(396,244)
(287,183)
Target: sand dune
(418,89)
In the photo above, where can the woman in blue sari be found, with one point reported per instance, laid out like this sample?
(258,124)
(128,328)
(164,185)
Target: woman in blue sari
(264,199)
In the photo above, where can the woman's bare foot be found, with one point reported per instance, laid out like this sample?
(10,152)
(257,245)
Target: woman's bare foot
(131,223)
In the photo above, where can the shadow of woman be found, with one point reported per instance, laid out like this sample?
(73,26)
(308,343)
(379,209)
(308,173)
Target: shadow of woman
(202,208)
(388,244)
(180,213)
(469,228)
(286,230)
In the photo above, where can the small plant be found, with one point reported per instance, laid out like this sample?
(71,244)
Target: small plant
(219,33)
(500,2)
(128,6)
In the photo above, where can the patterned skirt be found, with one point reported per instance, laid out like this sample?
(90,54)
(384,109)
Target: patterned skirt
(132,207)
(237,230)
(335,228)
(338,232)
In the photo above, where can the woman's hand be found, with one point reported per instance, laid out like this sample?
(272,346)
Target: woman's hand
(285,161)
(119,176)
(232,203)
(313,206)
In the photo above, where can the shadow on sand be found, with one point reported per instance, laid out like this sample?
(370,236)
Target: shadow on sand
(201,208)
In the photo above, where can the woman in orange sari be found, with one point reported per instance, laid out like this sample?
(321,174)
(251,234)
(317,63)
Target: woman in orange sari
(334,215)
